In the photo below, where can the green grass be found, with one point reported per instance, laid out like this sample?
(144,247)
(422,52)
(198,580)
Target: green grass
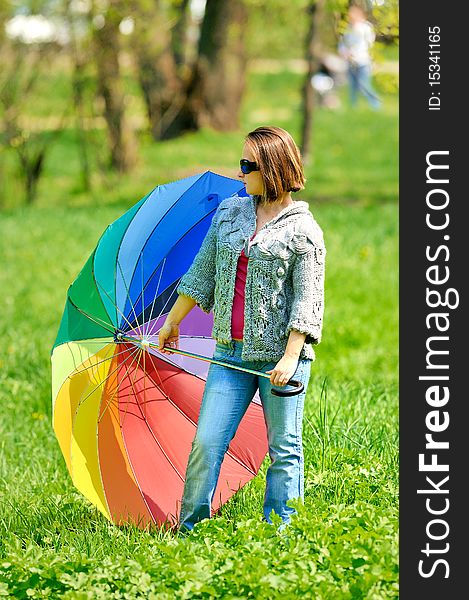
(344,541)
(350,436)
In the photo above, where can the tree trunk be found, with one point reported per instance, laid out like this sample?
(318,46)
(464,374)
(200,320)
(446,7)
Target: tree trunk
(161,87)
(179,37)
(218,82)
(32,164)
(78,94)
(315,12)
(122,139)
(78,101)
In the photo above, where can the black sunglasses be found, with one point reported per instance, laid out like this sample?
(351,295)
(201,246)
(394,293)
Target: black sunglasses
(247,166)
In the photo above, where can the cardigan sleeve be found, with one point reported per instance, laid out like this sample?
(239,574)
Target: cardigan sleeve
(199,281)
(306,314)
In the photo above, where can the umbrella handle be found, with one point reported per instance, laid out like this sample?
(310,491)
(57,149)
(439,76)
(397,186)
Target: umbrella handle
(298,387)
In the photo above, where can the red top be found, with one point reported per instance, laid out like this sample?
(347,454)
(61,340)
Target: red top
(237,314)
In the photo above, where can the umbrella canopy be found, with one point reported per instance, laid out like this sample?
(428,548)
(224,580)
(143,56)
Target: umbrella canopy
(125,414)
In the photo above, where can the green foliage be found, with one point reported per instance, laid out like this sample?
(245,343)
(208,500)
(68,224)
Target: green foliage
(387,83)
(338,552)
(386,19)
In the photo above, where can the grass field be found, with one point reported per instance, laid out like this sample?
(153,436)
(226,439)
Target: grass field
(344,541)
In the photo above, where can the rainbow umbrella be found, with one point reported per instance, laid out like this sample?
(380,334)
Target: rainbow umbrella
(125,414)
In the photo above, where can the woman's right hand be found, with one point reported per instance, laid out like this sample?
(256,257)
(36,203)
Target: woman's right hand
(169,335)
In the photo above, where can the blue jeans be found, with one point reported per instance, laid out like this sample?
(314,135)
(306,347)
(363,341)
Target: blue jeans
(226,398)
(360,81)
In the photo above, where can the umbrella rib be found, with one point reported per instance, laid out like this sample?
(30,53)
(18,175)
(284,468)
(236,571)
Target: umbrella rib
(117,308)
(164,259)
(177,242)
(106,326)
(79,348)
(77,370)
(167,211)
(151,431)
(96,281)
(175,288)
(153,325)
(155,439)
(192,226)
(191,421)
(97,425)
(103,341)
(81,355)
(144,385)
(155,321)
(162,390)
(162,311)
(101,414)
(97,385)
(109,512)
(144,366)
(121,425)
(156,291)
(95,340)
(88,341)
(77,408)
(167,358)
(136,358)
(128,294)
(134,355)
(143,297)
(124,233)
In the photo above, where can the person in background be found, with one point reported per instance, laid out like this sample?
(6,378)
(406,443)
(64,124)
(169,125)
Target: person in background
(354,47)
(261,269)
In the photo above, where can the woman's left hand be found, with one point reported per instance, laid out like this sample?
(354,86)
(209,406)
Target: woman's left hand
(283,370)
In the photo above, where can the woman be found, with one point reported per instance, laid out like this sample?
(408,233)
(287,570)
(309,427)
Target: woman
(261,269)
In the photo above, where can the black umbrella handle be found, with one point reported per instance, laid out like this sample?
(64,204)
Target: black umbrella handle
(298,387)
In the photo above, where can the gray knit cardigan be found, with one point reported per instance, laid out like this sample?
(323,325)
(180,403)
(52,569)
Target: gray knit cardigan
(284,282)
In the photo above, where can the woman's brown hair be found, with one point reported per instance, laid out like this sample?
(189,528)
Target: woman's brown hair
(278,159)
